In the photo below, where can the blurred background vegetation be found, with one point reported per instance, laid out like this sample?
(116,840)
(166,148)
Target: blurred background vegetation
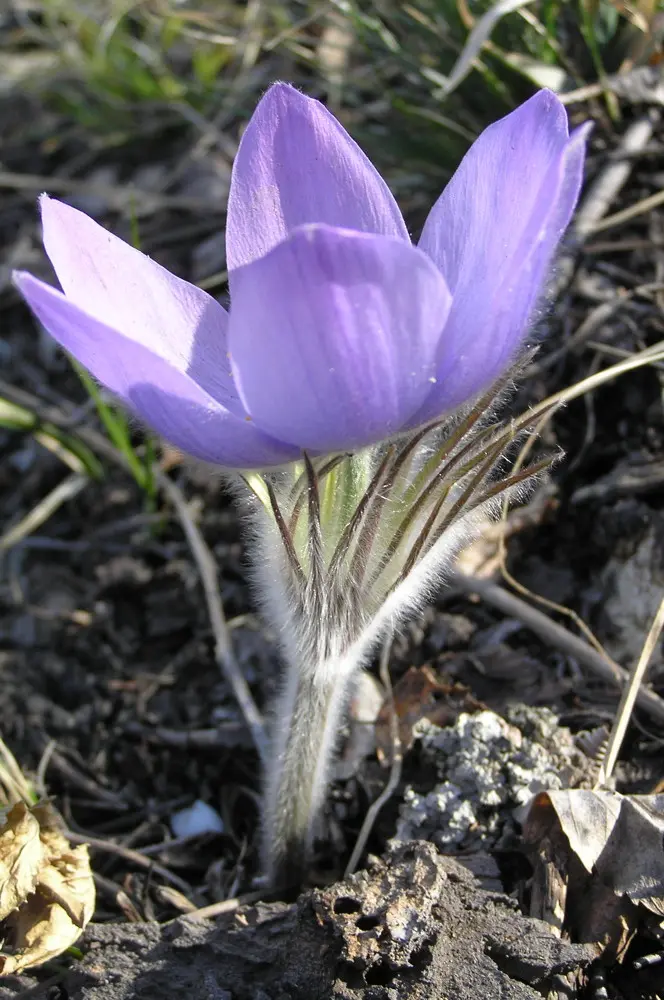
(128,78)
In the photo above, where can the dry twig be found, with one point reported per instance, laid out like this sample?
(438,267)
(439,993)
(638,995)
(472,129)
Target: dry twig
(223,650)
(230,905)
(134,857)
(559,637)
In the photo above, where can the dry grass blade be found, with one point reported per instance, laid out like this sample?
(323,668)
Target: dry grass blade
(646,357)
(606,187)
(225,906)
(128,854)
(544,411)
(640,208)
(14,786)
(64,491)
(223,648)
(476,40)
(629,695)
(122,198)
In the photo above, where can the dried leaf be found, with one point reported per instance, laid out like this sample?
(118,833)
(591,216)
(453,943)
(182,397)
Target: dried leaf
(617,836)
(418,695)
(20,857)
(632,861)
(587,819)
(618,841)
(49,885)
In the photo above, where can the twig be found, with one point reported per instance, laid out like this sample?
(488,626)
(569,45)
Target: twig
(223,649)
(42,768)
(230,905)
(629,696)
(476,41)
(395,768)
(81,781)
(227,734)
(551,632)
(646,205)
(135,857)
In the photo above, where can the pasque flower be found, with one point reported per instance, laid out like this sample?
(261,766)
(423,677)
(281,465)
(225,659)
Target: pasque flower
(341,332)
(357,371)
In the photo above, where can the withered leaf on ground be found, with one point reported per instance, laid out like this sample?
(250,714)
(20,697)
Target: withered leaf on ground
(47,892)
(617,836)
(606,850)
(21,855)
(419,694)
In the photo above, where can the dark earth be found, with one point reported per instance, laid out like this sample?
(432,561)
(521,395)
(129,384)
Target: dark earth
(109,687)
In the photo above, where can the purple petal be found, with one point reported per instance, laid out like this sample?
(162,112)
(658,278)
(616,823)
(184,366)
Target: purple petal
(121,287)
(493,233)
(297,164)
(165,397)
(333,336)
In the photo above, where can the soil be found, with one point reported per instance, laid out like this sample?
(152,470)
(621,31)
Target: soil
(110,690)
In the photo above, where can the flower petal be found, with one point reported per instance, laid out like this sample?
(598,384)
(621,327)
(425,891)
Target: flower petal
(493,233)
(297,164)
(333,336)
(166,398)
(120,286)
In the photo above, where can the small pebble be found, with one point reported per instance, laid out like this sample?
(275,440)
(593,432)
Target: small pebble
(197,819)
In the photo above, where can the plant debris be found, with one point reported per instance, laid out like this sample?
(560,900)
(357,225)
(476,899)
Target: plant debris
(47,893)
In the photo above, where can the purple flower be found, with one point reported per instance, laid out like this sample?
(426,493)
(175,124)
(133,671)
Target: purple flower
(341,333)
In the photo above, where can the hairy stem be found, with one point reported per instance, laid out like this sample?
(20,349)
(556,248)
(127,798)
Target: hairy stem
(306,726)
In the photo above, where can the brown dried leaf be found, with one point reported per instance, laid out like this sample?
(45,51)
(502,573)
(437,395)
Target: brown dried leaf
(21,857)
(56,903)
(632,862)
(413,700)
(587,819)
(617,839)
(617,836)
(66,882)
(420,694)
